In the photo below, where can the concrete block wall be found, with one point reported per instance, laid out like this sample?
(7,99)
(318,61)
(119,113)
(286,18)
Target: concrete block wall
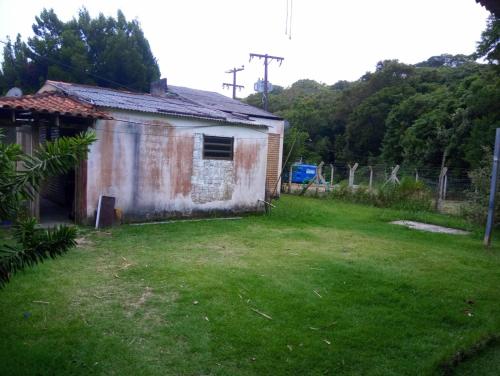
(212,179)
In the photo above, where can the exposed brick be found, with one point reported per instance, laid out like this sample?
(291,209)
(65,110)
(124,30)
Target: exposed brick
(273,158)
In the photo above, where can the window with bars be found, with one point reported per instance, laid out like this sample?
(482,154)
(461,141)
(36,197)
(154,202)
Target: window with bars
(218,147)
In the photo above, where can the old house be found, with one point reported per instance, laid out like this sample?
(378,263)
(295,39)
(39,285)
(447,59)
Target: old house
(173,152)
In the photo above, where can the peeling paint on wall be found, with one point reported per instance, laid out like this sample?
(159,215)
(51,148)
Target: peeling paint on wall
(246,156)
(154,167)
(180,156)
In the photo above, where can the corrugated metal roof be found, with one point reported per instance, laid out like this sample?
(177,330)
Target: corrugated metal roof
(171,104)
(220,102)
(52,103)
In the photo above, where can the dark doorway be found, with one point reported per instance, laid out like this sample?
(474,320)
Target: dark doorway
(57,194)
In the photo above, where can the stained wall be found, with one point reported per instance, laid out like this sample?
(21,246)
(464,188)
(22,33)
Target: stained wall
(154,167)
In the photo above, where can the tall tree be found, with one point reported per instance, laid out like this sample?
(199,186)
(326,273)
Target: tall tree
(107,51)
(489,45)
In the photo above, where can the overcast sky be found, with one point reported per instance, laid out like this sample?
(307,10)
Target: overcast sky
(196,41)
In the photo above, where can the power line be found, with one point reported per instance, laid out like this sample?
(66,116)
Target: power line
(233,85)
(267,59)
(288,22)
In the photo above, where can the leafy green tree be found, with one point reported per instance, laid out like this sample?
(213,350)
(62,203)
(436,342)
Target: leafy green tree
(400,113)
(489,45)
(18,185)
(104,51)
(446,60)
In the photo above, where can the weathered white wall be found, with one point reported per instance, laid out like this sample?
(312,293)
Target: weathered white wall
(154,167)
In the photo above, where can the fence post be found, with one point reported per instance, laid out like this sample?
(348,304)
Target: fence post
(318,177)
(332,169)
(445,184)
(394,176)
(493,190)
(311,182)
(290,179)
(321,178)
(352,170)
(441,187)
(371,177)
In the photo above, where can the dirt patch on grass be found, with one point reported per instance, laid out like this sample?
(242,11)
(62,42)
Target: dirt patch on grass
(83,242)
(146,294)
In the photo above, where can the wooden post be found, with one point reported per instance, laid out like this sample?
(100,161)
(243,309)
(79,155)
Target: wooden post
(290,179)
(332,169)
(352,170)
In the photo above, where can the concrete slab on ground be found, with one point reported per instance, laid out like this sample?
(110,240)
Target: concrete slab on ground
(430,228)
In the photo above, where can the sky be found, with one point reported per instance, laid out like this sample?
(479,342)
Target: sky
(196,41)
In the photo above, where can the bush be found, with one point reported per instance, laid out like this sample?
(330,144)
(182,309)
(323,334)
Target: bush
(476,208)
(409,195)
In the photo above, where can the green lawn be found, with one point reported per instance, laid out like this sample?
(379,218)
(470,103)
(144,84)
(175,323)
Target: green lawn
(347,292)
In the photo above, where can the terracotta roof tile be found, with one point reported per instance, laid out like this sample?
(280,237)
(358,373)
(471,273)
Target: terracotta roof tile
(52,103)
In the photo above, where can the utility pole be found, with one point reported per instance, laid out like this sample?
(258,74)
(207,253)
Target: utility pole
(233,85)
(267,59)
(493,190)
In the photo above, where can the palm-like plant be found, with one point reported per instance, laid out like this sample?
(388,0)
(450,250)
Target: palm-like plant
(20,178)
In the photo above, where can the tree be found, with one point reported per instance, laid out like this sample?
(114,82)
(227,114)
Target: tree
(17,185)
(445,60)
(489,45)
(103,51)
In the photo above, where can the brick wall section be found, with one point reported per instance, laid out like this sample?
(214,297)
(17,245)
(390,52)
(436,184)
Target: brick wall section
(273,158)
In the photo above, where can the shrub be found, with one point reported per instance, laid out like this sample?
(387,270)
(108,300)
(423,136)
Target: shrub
(476,208)
(408,195)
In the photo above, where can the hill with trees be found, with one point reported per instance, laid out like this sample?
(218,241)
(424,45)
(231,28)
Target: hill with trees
(447,106)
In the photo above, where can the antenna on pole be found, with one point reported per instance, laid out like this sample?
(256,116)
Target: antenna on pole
(226,85)
(267,59)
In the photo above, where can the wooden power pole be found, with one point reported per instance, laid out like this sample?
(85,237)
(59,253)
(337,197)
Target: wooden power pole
(267,59)
(233,85)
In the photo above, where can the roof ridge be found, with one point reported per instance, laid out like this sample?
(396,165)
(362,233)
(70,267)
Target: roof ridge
(52,82)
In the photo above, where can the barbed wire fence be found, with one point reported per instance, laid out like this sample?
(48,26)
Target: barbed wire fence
(451,187)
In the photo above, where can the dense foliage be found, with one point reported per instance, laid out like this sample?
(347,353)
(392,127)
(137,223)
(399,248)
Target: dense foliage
(20,178)
(409,195)
(104,51)
(411,114)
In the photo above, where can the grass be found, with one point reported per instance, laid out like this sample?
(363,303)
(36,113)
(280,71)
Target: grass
(347,292)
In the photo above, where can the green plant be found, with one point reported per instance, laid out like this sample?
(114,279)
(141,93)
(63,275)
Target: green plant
(476,208)
(18,185)
(408,195)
